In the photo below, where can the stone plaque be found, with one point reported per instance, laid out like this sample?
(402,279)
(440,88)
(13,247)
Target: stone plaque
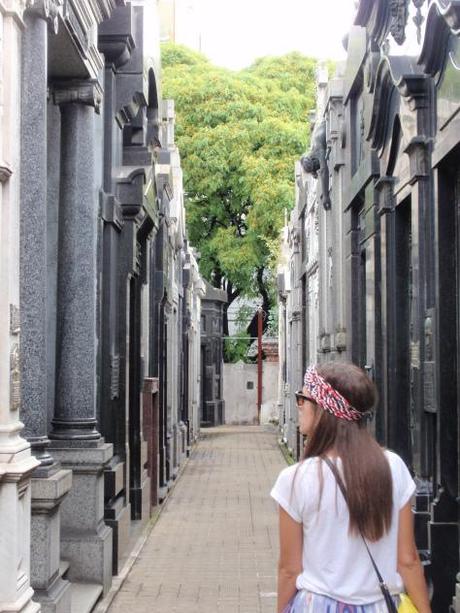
(115,377)
(415,355)
(429,389)
(14,319)
(15,381)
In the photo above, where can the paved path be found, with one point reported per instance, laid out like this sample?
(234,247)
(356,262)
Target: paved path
(214,548)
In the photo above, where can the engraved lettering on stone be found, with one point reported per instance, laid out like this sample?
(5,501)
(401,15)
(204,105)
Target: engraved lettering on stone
(415,355)
(115,377)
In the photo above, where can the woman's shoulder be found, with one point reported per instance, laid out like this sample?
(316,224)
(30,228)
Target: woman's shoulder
(398,466)
(393,458)
(299,468)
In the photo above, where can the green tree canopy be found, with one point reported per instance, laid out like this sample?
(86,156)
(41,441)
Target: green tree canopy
(239,134)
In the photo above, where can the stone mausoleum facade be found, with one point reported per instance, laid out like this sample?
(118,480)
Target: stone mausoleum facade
(371,267)
(100,299)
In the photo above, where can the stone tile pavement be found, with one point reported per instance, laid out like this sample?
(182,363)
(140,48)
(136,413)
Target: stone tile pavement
(214,548)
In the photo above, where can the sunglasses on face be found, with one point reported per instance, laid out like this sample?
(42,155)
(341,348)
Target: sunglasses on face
(300,397)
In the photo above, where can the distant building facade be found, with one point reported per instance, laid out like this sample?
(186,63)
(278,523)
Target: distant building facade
(180,22)
(212,357)
(371,259)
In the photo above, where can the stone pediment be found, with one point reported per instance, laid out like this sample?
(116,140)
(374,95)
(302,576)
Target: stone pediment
(443,20)
(395,73)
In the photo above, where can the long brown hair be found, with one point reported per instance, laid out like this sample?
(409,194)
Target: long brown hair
(366,471)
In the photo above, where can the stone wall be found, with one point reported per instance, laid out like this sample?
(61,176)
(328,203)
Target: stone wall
(240,393)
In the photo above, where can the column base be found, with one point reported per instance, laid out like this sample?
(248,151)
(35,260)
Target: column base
(117,512)
(140,500)
(23,605)
(55,599)
(118,517)
(16,466)
(86,542)
(90,557)
(51,591)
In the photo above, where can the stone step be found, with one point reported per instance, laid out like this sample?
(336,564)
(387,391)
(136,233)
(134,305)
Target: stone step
(84,596)
(63,568)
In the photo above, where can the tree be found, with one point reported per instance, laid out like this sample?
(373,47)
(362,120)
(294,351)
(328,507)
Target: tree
(239,134)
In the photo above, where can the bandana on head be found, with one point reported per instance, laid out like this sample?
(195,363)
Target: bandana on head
(329,398)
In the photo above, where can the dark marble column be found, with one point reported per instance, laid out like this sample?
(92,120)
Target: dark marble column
(75,405)
(33,264)
(86,541)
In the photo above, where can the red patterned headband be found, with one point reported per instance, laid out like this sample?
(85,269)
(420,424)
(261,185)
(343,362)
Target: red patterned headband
(329,398)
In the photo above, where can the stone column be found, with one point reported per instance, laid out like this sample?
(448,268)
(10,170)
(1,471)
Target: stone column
(50,483)
(86,541)
(16,462)
(75,404)
(33,271)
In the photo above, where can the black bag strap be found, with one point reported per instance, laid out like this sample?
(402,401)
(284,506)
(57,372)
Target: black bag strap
(383,586)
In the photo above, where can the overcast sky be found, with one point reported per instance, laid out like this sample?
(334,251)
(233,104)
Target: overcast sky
(235,32)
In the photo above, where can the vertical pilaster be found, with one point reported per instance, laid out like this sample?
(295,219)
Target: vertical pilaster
(33,273)
(16,462)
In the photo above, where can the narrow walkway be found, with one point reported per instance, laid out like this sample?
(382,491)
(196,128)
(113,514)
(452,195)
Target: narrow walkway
(215,546)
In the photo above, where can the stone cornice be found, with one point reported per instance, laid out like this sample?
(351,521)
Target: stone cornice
(117,48)
(78,92)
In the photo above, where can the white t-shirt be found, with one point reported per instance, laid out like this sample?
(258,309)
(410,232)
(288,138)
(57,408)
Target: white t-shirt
(334,563)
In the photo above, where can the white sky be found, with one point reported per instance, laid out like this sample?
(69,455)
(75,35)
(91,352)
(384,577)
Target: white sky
(235,32)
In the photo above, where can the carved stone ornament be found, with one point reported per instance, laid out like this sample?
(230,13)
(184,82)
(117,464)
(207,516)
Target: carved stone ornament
(79,92)
(419,158)
(5,172)
(418,18)
(310,164)
(15,381)
(14,320)
(385,188)
(45,9)
(399,12)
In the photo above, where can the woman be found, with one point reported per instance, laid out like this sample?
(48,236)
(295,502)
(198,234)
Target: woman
(323,564)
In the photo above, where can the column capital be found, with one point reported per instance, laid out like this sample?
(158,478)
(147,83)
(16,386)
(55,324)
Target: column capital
(47,10)
(78,92)
(386,199)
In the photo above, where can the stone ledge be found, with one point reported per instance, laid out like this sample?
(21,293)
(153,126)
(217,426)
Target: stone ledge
(51,489)
(84,596)
(83,457)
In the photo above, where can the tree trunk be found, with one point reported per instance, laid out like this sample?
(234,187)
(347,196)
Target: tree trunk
(266,306)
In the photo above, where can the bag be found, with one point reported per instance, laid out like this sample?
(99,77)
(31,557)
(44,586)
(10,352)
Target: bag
(406,605)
